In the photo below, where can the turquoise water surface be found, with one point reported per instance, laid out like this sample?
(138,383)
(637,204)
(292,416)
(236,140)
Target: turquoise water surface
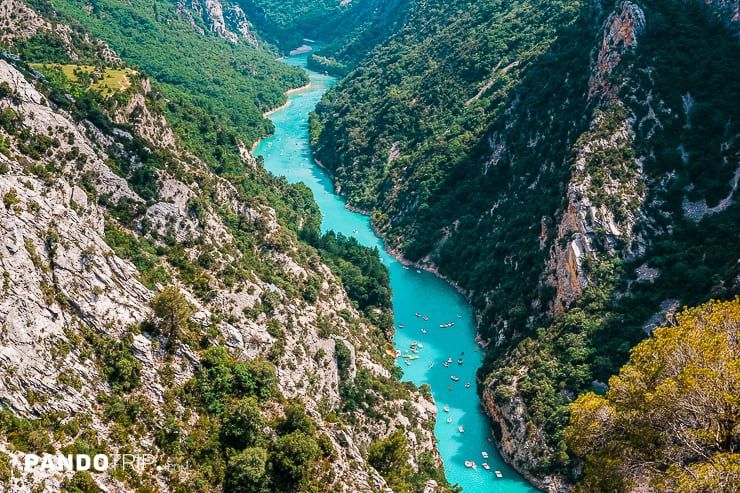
(414,292)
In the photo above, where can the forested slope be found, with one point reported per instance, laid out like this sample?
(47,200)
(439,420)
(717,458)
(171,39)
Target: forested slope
(572,167)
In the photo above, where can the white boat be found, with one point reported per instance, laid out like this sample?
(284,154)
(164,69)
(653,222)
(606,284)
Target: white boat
(461,429)
(468,463)
(486,466)
(447,409)
(484,454)
(454,378)
(498,474)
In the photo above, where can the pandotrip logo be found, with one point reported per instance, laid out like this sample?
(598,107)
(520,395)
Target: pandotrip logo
(96,463)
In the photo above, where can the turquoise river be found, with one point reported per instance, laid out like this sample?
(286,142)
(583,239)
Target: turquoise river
(287,154)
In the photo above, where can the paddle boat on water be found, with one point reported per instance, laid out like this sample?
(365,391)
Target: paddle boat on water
(469,463)
(498,474)
(484,454)
(486,466)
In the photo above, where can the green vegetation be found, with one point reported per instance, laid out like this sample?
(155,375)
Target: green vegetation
(231,442)
(233,83)
(107,81)
(670,418)
(363,275)
(390,457)
(173,311)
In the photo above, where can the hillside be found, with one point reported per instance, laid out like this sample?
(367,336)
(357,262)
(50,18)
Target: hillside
(158,302)
(571,167)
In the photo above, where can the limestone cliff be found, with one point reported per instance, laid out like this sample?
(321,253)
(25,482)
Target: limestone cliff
(85,251)
(225,20)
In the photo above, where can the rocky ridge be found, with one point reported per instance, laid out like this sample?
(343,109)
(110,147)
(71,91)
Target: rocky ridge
(64,284)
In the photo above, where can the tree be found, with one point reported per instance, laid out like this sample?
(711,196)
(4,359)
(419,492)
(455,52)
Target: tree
(390,457)
(243,425)
(246,471)
(671,418)
(173,310)
(297,419)
(292,459)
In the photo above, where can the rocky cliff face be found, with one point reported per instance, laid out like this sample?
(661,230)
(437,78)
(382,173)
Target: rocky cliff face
(225,20)
(68,286)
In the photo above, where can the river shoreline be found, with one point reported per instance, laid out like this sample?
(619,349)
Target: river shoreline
(281,107)
(415,292)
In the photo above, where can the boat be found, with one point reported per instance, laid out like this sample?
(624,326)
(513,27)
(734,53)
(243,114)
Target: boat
(486,466)
(413,356)
(418,314)
(468,463)
(425,318)
(400,326)
(459,361)
(446,364)
(420,346)
(423,331)
(407,362)
(449,420)
(454,378)
(447,409)
(484,454)
(498,474)
(449,360)
(467,385)
(461,429)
